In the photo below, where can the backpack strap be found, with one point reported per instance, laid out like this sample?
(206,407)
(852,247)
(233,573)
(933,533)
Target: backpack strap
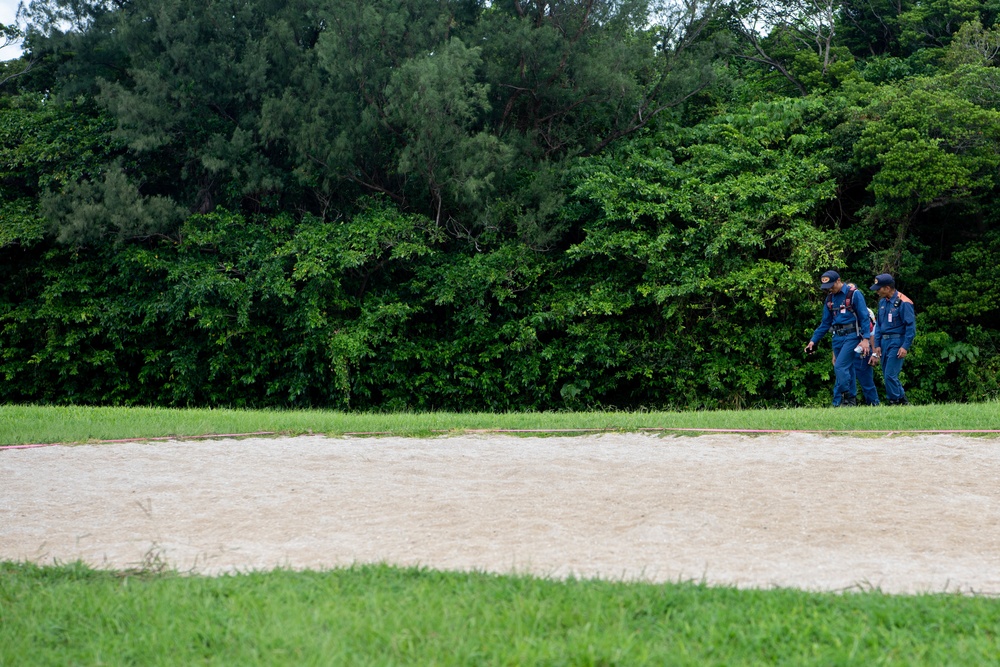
(849,304)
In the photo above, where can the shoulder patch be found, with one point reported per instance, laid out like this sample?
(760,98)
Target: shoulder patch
(904,298)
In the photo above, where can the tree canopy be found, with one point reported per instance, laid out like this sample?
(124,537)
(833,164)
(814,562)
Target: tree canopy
(471,205)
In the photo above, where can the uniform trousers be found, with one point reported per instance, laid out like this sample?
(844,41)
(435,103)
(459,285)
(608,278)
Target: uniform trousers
(866,378)
(843,367)
(891,365)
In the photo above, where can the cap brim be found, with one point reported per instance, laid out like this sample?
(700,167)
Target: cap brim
(874,287)
(826,286)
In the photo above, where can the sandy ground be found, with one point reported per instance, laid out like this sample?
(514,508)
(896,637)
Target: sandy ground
(903,514)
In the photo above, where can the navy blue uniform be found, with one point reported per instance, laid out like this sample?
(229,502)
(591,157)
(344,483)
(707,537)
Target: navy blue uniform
(864,371)
(895,328)
(847,327)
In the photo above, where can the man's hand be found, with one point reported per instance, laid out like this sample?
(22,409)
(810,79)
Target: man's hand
(901,353)
(810,348)
(865,347)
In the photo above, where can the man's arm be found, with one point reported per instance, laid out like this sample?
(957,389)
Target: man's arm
(910,321)
(825,322)
(861,313)
(877,334)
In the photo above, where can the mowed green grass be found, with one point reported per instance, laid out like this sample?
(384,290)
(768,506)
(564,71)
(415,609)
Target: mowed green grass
(38,424)
(380,615)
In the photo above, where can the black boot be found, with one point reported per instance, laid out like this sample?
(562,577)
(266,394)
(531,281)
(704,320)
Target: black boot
(849,400)
(902,401)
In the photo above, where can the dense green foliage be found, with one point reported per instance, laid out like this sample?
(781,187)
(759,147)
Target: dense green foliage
(505,206)
(376,615)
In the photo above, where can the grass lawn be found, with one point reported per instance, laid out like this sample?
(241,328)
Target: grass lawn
(36,424)
(381,615)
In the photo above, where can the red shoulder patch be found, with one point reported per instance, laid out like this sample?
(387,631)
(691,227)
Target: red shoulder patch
(904,298)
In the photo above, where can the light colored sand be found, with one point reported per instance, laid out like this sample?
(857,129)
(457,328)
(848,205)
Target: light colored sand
(904,514)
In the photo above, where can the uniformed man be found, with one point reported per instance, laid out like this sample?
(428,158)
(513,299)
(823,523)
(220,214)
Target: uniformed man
(895,329)
(864,367)
(845,312)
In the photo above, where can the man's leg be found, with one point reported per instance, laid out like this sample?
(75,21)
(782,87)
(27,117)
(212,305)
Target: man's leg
(843,368)
(852,393)
(891,365)
(866,378)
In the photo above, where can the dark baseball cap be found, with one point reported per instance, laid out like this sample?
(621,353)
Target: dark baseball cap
(827,280)
(883,280)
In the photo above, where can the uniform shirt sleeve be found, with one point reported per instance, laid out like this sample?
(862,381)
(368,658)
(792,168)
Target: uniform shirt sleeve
(877,334)
(861,312)
(910,321)
(825,322)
